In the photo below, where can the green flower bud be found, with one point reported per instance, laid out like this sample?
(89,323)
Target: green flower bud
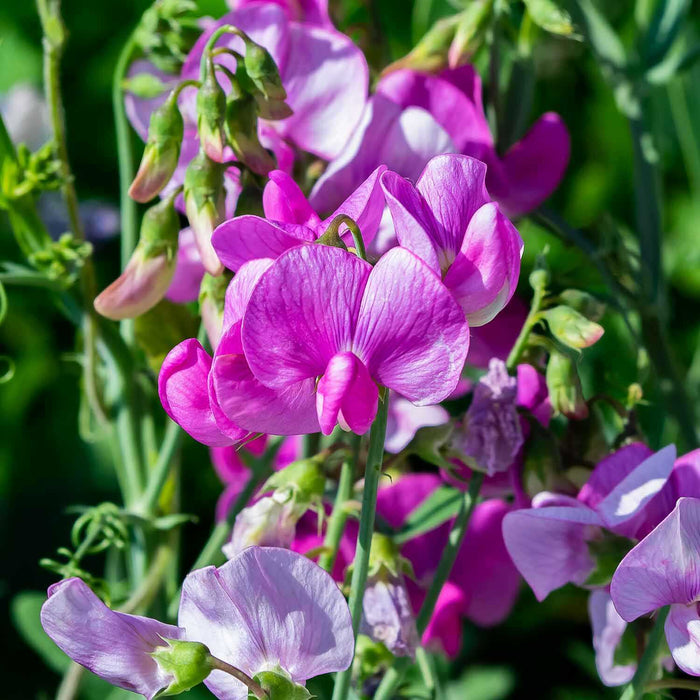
(211,113)
(583,302)
(262,70)
(162,152)
(242,132)
(304,480)
(188,662)
(564,387)
(280,687)
(571,328)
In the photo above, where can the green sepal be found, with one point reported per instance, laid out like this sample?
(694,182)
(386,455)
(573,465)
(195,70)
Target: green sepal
(304,480)
(564,386)
(279,687)
(188,662)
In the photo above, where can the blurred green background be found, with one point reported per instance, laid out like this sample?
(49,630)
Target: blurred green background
(543,650)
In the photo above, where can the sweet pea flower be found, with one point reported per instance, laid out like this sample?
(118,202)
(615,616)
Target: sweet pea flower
(549,543)
(485,594)
(663,569)
(313,12)
(448,220)
(414,116)
(268,609)
(113,645)
(290,221)
(348,328)
(404,419)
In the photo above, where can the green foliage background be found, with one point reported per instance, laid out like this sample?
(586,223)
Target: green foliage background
(542,651)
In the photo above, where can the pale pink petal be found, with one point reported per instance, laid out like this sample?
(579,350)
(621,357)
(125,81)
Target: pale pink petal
(683,635)
(189,270)
(405,419)
(411,334)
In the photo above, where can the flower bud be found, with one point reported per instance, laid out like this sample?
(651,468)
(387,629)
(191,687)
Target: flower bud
(189,663)
(262,70)
(150,270)
(387,616)
(212,295)
(211,112)
(304,479)
(583,302)
(564,386)
(242,132)
(271,522)
(204,204)
(490,436)
(160,157)
(571,328)
(279,686)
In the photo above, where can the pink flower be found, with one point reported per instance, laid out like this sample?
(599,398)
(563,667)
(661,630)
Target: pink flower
(290,220)
(448,220)
(415,116)
(306,11)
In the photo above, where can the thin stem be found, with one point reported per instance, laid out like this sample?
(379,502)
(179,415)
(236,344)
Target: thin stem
(523,336)
(311,444)
(373,472)
(647,664)
(254,688)
(459,528)
(354,229)
(161,470)
(70,685)
(339,516)
(225,29)
(672,684)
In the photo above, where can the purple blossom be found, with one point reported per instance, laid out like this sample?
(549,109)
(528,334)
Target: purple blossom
(268,608)
(405,419)
(414,116)
(113,645)
(307,11)
(549,542)
(448,220)
(290,220)
(189,270)
(664,569)
(490,435)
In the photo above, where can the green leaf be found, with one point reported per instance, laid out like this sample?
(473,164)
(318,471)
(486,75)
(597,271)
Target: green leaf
(442,505)
(664,29)
(548,15)
(602,36)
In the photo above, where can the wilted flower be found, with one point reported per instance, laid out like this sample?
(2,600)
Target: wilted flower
(448,220)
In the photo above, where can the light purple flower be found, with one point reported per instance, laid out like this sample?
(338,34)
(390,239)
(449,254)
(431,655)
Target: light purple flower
(664,569)
(549,542)
(189,270)
(608,628)
(490,435)
(414,116)
(346,329)
(265,609)
(307,11)
(405,419)
(290,220)
(113,645)
(448,220)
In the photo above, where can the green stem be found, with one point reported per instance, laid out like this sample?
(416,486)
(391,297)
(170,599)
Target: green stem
(393,676)
(225,29)
(685,129)
(648,662)
(252,686)
(523,336)
(672,684)
(311,444)
(339,516)
(161,470)
(373,472)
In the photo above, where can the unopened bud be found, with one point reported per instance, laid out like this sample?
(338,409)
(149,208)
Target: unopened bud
(150,270)
(212,296)
(304,479)
(279,686)
(571,328)
(564,386)
(160,157)
(204,204)
(585,303)
(242,133)
(262,70)
(211,112)
(188,662)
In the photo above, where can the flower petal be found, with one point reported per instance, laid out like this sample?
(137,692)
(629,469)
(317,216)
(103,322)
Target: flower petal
(189,270)
(683,635)
(240,288)
(405,419)
(113,645)
(292,329)
(284,201)
(265,607)
(411,334)
(664,567)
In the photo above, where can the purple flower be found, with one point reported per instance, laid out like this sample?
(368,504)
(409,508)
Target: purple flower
(549,542)
(268,608)
(291,221)
(490,436)
(405,419)
(113,645)
(415,116)
(306,11)
(189,270)
(664,569)
(448,220)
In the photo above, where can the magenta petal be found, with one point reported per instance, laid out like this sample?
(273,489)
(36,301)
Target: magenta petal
(411,333)
(532,389)
(326,78)
(485,272)
(249,237)
(548,545)
(347,395)
(189,270)
(608,628)
(291,330)
(535,165)
(240,288)
(258,409)
(113,645)
(622,508)
(664,567)
(182,387)
(454,189)
(284,201)
(444,630)
(396,501)
(683,635)
(268,607)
